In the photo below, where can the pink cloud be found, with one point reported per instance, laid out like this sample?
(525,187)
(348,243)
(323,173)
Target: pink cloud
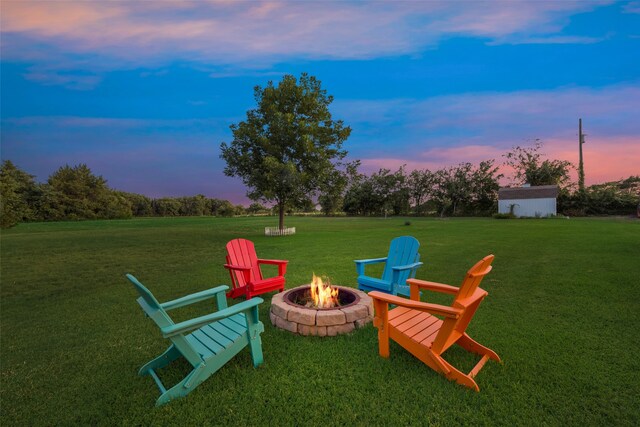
(605,158)
(436,158)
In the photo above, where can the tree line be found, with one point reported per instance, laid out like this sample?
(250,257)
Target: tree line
(75,193)
(472,190)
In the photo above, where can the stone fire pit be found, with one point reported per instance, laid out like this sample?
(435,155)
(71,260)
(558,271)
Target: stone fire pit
(356,312)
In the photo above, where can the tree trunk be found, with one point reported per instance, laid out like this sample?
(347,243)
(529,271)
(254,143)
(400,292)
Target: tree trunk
(281,213)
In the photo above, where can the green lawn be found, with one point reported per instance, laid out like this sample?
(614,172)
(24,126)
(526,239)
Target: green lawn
(562,313)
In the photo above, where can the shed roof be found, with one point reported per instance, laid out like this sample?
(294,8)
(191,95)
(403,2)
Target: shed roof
(536,192)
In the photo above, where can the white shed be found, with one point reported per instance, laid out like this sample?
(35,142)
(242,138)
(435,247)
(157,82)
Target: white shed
(537,201)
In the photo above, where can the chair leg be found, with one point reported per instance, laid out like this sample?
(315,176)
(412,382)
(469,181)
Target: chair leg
(161,361)
(456,375)
(381,322)
(468,343)
(254,329)
(184,387)
(255,345)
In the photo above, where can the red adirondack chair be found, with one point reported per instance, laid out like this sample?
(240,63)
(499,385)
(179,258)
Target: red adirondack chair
(417,326)
(244,268)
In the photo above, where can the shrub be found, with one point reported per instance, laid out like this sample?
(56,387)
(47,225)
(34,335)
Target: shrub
(504,216)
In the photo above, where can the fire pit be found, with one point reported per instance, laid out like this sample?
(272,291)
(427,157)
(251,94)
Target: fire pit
(322,310)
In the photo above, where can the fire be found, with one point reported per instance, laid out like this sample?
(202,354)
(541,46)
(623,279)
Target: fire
(324,296)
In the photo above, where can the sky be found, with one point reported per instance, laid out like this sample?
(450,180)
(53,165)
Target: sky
(144,92)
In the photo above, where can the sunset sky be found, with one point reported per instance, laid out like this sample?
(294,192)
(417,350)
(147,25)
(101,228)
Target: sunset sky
(144,92)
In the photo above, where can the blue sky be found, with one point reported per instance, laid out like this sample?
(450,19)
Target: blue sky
(144,92)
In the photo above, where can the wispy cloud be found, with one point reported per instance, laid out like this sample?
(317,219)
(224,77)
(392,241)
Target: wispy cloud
(549,40)
(502,116)
(78,122)
(632,7)
(256,35)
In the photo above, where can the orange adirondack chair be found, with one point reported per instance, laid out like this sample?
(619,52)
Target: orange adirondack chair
(244,268)
(413,324)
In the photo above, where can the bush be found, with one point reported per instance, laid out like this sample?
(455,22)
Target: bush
(504,216)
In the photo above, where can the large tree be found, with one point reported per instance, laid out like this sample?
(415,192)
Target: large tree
(529,166)
(289,147)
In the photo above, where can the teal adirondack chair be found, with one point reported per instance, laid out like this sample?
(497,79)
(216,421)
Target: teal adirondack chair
(400,264)
(215,339)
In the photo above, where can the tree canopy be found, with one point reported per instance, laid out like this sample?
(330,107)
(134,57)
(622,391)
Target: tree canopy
(17,191)
(529,167)
(289,147)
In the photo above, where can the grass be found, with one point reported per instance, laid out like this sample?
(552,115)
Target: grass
(562,312)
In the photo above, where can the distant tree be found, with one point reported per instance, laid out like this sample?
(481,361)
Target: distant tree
(117,206)
(17,195)
(193,205)
(226,208)
(76,193)
(485,185)
(289,145)
(529,167)
(307,206)
(255,208)
(212,206)
(453,188)
(140,205)
(466,189)
(390,191)
(331,198)
(166,206)
(610,198)
(420,185)
(361,198)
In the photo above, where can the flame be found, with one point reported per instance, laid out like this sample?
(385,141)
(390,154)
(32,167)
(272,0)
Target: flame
(324,296)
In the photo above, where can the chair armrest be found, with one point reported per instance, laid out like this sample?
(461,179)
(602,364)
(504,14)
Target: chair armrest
(407,267)
(272,261)
(282,264)
(433,286)
(236,267)
(198,322)
(370,261)
(193,298)
(360,263)
(437,309)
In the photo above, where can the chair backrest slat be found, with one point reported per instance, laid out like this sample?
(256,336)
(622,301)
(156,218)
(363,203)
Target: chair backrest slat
(150,304)
(474,277)
(402,251)
(242,252)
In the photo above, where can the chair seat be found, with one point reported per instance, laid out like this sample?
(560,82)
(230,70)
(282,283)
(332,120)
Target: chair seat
(217,336)
(367,283)
(417,325)
(267,285)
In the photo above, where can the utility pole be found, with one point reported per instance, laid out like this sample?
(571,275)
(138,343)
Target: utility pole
(580,165)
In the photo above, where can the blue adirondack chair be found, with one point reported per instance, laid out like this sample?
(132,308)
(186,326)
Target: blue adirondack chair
(400,264)
(215,339)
